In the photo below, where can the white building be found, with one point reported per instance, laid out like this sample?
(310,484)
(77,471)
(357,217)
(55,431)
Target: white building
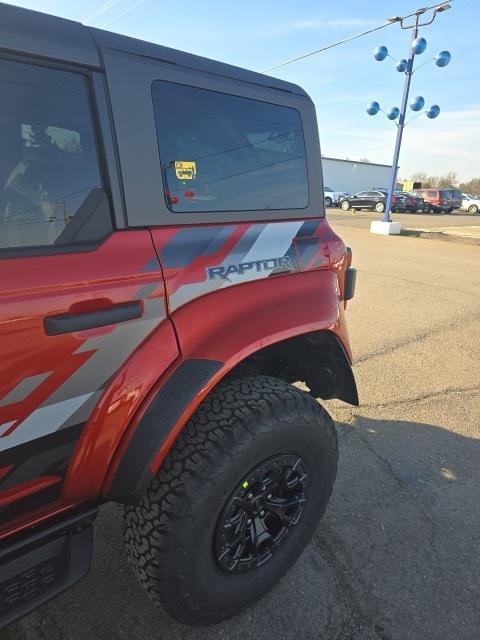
(353,176)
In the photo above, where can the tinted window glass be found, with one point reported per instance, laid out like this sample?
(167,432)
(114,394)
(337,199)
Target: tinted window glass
(48,159)
(220,152)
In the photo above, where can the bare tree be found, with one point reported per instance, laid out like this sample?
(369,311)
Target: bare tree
(432,182)
(448,180)
(472,186)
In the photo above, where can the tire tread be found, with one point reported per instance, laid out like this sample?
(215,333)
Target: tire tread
(154,528)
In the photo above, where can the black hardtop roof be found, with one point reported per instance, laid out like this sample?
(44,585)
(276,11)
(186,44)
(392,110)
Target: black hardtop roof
(190,60)
(39,34)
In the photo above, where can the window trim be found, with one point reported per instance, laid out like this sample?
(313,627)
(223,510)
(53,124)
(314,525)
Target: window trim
(132,102)
(105,169)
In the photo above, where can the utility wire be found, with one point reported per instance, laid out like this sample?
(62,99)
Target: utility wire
(330,46)
(349,39)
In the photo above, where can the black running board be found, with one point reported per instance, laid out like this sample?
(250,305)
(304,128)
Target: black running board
(44,564)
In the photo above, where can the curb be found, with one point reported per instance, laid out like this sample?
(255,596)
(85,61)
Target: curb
(439,235)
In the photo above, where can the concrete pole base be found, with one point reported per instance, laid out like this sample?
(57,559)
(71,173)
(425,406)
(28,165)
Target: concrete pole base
(385,228)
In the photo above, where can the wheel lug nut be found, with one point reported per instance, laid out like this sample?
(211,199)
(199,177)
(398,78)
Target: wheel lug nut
(262,513)
(269,497)
(250,496)
(249,521)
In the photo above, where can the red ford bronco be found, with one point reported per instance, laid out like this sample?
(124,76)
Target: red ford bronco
(167,273)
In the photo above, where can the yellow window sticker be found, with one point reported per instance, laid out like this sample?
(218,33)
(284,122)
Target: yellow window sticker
(185,169)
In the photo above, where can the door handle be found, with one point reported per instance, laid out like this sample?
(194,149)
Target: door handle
(70,322)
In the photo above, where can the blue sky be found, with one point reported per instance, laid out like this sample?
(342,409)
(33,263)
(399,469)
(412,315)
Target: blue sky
(260,33)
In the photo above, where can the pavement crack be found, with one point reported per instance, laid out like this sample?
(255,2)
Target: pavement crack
(390,348)
(420,398)
(360,614)
(414,498)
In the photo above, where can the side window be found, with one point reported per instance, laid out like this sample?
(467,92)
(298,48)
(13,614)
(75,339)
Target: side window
(49,170)
(220,152)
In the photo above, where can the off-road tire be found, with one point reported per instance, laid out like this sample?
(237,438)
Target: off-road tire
(169,534)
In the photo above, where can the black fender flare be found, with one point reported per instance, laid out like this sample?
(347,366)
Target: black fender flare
(133,475)
(328,376)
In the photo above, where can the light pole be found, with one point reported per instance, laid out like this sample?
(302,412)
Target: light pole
(417,46)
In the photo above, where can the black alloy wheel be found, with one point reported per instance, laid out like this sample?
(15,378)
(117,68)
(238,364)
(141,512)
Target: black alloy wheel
(261,513)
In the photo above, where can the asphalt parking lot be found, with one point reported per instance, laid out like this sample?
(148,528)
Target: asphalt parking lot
(397,554)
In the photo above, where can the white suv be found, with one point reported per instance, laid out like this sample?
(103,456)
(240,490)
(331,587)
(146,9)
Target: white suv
(470,204)
(333,197)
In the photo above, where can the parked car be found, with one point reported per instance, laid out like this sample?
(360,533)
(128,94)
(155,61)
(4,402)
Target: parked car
(333,197)
(470,203)
(436,200)
(126,371)
(373,200)
(412,203)
(456,198)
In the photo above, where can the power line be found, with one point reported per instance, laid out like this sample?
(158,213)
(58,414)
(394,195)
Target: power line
(330,46)
(349,39)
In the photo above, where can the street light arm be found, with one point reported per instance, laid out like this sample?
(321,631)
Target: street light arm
(418,24)
(435,9)
(422,65)
(422,113)
(386,113)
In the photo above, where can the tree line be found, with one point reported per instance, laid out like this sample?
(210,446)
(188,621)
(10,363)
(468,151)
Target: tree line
(448,180)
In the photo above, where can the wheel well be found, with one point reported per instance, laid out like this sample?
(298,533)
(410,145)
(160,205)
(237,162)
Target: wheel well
(316,359)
